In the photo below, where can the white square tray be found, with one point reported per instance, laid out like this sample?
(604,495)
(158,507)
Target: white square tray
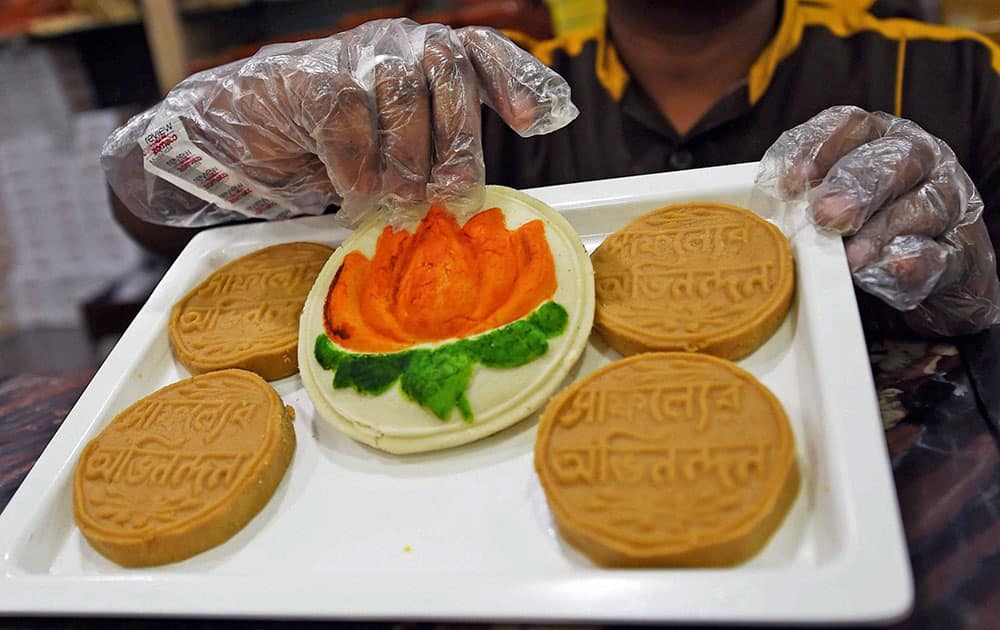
(466,534)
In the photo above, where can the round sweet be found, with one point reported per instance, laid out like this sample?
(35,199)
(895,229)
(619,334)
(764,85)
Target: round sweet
(695,277)
(443,333)
(246,314)
(667,459)
(183,469)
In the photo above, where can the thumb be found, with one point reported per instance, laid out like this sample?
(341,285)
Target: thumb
(909,269)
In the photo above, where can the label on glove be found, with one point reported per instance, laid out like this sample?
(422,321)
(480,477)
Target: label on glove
(168,152)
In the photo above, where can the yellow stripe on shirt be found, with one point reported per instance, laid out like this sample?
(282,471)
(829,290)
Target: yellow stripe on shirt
(845,21)
(607,66)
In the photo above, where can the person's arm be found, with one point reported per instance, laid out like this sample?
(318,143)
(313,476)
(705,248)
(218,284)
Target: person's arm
(385,115)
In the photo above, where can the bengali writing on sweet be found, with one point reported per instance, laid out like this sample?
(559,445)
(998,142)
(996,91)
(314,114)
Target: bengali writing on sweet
(657,282)
(620,458)
(229,283)
(206,420)
(150,463)
(712,241)
(225,317)
(659,403)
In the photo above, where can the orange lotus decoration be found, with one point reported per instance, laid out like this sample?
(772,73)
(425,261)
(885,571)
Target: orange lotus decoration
(444,281)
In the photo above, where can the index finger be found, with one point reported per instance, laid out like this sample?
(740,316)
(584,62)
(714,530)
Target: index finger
(404,120)
(801,156)
(455,114)
(530,97)
(933,207)
(875,173)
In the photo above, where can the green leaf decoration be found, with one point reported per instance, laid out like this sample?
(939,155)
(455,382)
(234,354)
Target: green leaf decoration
(514,345)
(370,373)
(438,379)
(327,355)
(551,319)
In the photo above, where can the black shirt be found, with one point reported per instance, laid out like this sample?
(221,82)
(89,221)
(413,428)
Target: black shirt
(824,53)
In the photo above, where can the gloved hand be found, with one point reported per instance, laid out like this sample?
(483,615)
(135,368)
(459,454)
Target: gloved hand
(911,216)
(386,114)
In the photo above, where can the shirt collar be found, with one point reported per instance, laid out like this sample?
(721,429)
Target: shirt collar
(636,104)
(615,78)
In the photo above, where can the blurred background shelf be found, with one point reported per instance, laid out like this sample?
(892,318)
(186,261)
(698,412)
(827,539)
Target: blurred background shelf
(175,38)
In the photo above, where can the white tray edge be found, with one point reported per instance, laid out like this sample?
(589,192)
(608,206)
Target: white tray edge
(880,539)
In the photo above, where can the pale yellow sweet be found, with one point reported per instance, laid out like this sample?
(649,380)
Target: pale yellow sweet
(183,469)
(246,314)
(667,459)
(696,277)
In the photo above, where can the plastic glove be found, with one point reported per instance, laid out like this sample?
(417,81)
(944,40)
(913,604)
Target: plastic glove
(386,114)
(911,215)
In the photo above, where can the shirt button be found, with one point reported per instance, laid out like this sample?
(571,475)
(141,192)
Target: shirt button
(681,159)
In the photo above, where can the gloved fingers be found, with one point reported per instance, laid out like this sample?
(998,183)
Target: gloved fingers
(349,118)
(240,118)
(954,311)
(404,119)
(979,273)
(238,115)
(868,177)
(918,239)
(458,170)
(930,209)
(801,156)
(343,128)
(909,269)
(254,153)
(973,302)
(528,96)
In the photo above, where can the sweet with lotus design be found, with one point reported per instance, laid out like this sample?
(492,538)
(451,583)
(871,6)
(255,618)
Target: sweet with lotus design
(432,304)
